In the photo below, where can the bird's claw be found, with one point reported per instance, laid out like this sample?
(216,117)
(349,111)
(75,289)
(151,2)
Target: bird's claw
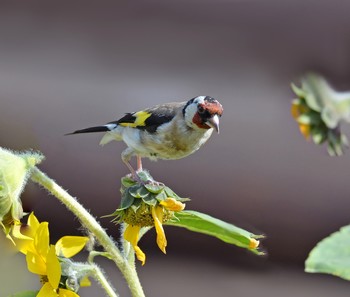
(144,178)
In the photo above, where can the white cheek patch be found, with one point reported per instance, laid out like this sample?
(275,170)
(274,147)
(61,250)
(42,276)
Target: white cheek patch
(199,100)
(190,111)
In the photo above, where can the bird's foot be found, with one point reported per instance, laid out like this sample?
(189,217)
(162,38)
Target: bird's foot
(144,178)
(154,183)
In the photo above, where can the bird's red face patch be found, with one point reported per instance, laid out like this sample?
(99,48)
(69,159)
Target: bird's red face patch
(213,108)
(205,111)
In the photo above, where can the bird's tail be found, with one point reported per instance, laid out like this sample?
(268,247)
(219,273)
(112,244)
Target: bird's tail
(104,128)
(112,135)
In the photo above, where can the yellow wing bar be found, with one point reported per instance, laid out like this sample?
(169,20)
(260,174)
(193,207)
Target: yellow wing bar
(140,119)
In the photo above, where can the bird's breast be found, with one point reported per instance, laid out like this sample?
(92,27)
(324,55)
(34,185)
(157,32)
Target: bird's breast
(174,142)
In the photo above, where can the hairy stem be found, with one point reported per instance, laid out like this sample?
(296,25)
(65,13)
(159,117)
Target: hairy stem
(90,223)
(100,277)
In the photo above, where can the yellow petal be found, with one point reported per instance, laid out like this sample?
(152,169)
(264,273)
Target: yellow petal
(85,282)
(7,230)
(33,223)
(253,244)
(305,130)
(172,204)
(35,264)
(16,232)
(68,246)
(295,110)
(53,268)
(157,214)
(42,239)
(140,255)
(67,293)
(23,242)
(131,234)
(47,291)
(25,246)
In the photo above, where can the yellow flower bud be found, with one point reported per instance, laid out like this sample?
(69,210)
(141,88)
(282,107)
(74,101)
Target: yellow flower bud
(253,243)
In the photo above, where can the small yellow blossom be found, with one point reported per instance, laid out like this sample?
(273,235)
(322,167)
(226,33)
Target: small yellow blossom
(253,243)
(297,109)
(44,259)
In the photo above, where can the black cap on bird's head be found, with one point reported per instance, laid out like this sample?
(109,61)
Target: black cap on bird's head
(203,112)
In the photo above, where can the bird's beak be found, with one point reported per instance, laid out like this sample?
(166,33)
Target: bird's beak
(213,122)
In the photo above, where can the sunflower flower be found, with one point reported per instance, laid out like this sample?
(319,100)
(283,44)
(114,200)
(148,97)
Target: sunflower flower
(319,110)
(45,259)
(146,205)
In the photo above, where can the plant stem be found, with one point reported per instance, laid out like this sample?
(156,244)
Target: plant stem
(101,279)
(90,223)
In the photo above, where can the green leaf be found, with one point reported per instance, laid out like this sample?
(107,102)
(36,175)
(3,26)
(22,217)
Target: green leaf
(127,182)
(318,136)
(150,199)
(170,193)
(154,188)
(331,255)
(203,223)
(142,192)
(135,206)
(133,191)
(310,118)
(344,140)
(24,294)
(334,143)
(314,88)
(127,200)
(138,191)
(298,91)
(161,196)
(145,176)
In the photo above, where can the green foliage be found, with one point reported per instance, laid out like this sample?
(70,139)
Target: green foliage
(331,255)
(203,223)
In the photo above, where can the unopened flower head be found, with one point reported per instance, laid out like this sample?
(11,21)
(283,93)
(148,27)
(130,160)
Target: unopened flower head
(319,110)
(15,169)
(146,205)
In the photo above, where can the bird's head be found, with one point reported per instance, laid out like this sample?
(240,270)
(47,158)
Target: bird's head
(203,112)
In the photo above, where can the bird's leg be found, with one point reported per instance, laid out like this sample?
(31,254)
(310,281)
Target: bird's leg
(126,156)
(150,180)
(145,178)
(132,170)
(139,163)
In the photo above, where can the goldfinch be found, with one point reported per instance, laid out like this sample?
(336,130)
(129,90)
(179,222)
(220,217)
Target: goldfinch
(169,131)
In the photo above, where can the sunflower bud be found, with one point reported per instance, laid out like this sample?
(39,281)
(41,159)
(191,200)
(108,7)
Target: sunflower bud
(15,169)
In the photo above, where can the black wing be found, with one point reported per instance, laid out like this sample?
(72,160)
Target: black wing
(155,117)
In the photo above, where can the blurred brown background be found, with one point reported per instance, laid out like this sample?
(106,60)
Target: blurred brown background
(66,65)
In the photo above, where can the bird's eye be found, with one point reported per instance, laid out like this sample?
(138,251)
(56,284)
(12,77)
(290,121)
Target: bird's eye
(201,109)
